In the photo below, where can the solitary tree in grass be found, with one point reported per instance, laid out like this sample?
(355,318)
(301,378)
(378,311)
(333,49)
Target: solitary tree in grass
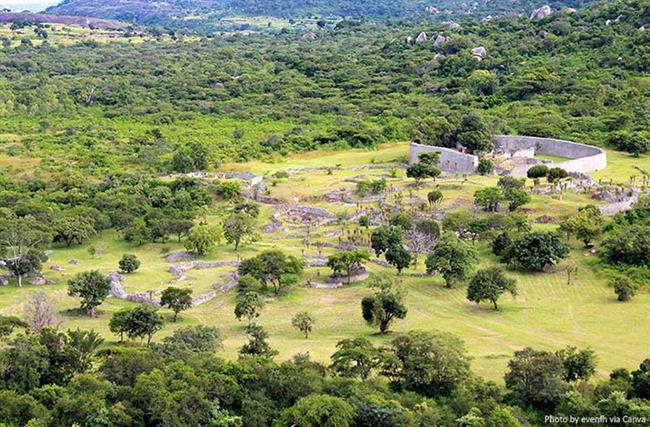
(177,299)
(237,227)
(420,171)
(273,268)
(586,225)
(452,258)
(399,258)
(129,263)
(304,322)
(202,238)
(386,305)
(434,197)
(91,287)
(488,285)
(142,322)
(348,261)
(248,306)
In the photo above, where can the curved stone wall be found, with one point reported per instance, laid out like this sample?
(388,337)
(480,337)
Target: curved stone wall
(451,161)
(583,158)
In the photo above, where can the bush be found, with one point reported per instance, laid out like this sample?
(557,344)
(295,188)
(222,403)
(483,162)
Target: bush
(623,288)
(485,167)
(537,171)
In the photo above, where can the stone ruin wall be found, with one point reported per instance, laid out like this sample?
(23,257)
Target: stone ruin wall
(451,161)
(584,158)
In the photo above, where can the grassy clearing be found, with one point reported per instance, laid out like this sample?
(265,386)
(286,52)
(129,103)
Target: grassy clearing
(547,313)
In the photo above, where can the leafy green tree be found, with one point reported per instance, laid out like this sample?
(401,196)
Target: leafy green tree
(586,225)
(356,357)
(516,197)
(452,258)
(9,323)
(118,323)
(437,131)
(536,378)
(177,299)
(129,263)
(249,306)
(628,244)
(386,305)
(91,287)
(485,167)
(304,322)
(385,237)
(273,268)
(203,238)
(501,416)
(429,363)
(320,410)
(238,226)
(624,288)
(348,261)
(537,171)
(508,182)
(26,264)
(488,198)
(473,134)
(421,170)
(488,284)
(257,344)
(399,258)
(71,229)
(21,240)
(536,250)
(501,243)
(23,361)
(556,174)
(578,364)
(143,321)
(634,143)
(482,82)
(190,340)
(641,380)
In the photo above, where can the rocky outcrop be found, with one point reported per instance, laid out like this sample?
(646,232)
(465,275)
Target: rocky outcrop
(479,53)
(179,270)
(432,10)
(541,13)
(440,40)
(421,38)
(180,256)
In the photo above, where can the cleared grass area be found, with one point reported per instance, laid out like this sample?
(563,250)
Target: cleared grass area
(547,313)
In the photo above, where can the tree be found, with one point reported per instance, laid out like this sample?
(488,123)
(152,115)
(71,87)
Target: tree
(537,171)
(488,198)
(634,143)
(536,250)
(129,263)
(421,237)
(641,380)
(501,243)
(421,170)
(238,226)
(556,174)
(578,364)
(429,363)
(516,197)
(348,261)
(22,238)
(473,134)
(273,268)
(320,410)
(142,321)
(257,345)
(386,305)
(586,225)
(119,322)
(628,244)
(452,258)
(356,357)
(91,287)
(485,167)
(177,299)
(511,183)
(536,378)
(304,322)
(71,229)
(39,311)
(437,131)
(202,238)
(9,323)
(488,284)
(398,257)
(190,340)
(385,237)
(434,197)
(248,306)
(624,288)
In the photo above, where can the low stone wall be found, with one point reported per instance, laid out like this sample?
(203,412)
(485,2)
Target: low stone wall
(584,158)
(451,161)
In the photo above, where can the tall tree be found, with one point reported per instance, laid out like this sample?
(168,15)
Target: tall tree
(488,284)
(238,226)
(386,305)
(91,287)
(177,299)
(304,322)
(452,258)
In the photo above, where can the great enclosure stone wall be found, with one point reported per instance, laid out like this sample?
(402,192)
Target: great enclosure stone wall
(582,157)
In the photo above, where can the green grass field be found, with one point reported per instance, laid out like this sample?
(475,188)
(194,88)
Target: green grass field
(547,313)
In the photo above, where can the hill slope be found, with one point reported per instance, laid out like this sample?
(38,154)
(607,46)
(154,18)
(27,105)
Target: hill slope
(177,11)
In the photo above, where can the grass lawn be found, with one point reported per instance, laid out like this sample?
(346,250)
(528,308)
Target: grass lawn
(546,314)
